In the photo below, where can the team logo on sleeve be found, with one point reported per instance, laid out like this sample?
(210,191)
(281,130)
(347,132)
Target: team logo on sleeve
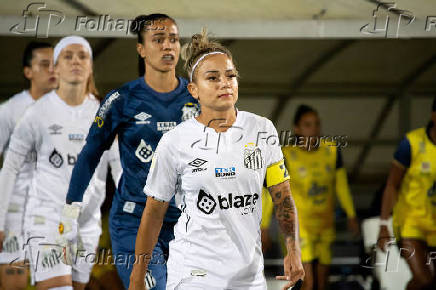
(189,110)
(206,203)
(144,152)
(56,159)
(252,157)
(101,114)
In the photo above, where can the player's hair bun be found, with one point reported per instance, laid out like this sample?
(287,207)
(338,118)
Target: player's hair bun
(199,45)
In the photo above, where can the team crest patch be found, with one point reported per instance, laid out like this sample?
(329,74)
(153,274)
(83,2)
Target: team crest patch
(189,110)
(252,156)
(144,152)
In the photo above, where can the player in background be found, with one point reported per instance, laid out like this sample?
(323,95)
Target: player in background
(139,112)
(218,186)
(318,176)
(55,128)
(39,73)
(411,194)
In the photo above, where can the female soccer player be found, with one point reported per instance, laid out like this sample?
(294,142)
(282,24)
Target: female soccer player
(55,128)
(139,112)
(38,70)
(411,193)
(318,172)
(215,166)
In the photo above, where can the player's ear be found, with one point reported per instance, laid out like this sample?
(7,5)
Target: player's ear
(193,90)
(27,71)
(140,49)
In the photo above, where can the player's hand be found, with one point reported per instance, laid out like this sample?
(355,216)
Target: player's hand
(353,226)
(2,238)
(384,238)
(69,239)
(137,278)
(294,270)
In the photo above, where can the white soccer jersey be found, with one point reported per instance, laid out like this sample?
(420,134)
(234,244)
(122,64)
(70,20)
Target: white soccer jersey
(217,178)
(10,112)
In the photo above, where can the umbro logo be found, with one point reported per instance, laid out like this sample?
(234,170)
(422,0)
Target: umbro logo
(142,118)
(55,129)
(197,162)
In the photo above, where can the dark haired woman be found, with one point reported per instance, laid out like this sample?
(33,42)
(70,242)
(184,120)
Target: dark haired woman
(318,174)
(410,193)
(139,112)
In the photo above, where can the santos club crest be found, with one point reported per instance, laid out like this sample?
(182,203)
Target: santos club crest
(189,110)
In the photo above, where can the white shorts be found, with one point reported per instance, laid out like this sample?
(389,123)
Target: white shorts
(45,254)
(13,244)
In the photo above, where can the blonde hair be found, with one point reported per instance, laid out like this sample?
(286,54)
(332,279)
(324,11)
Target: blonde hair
(91,88)
(199,46)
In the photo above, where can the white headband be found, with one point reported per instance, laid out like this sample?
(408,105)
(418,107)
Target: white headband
(64,42)
(200,59)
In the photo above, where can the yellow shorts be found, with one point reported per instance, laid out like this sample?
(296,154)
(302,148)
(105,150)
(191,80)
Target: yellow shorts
(316,243)
(415,229)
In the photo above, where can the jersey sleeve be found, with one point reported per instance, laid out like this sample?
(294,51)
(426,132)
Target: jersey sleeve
(100,137)
(162,178)
(403,153)
(5,127)
(342,187)
(22,142)
(276,171)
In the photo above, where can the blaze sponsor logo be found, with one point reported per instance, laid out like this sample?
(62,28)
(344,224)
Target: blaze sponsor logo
(57,160)
(245,203)
(144,152)
(229,172)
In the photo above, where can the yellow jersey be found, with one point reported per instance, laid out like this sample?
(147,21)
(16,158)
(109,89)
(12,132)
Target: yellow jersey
(417,194)
(315,178)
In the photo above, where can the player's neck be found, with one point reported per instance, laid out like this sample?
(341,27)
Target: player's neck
(37,92)
(72,94)
(162,82)
(220,121)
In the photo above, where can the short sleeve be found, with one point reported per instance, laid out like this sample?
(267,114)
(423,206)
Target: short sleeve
(403,153)
(162,178)
(5,127)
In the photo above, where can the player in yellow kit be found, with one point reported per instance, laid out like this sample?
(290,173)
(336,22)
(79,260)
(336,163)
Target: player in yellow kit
(411,193)
(317,174)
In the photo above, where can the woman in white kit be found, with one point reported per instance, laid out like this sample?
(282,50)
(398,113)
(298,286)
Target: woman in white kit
(216,164)
(55,127)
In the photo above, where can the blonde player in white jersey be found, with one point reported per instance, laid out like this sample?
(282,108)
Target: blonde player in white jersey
(215,164)
(55,128)
(39,73)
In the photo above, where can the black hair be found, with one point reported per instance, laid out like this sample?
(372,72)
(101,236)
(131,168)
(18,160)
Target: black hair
(433,107)
(301,111)
(139,25)
(30,48)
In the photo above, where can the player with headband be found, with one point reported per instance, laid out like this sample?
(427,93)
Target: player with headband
(139,112)
(215,166)
(38,70)
(55,128)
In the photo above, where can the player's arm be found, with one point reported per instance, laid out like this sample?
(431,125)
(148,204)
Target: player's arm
(344,194)
(159,188)
(21,143)
(100,138)
(148,233)
(401,163)
(5,127)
